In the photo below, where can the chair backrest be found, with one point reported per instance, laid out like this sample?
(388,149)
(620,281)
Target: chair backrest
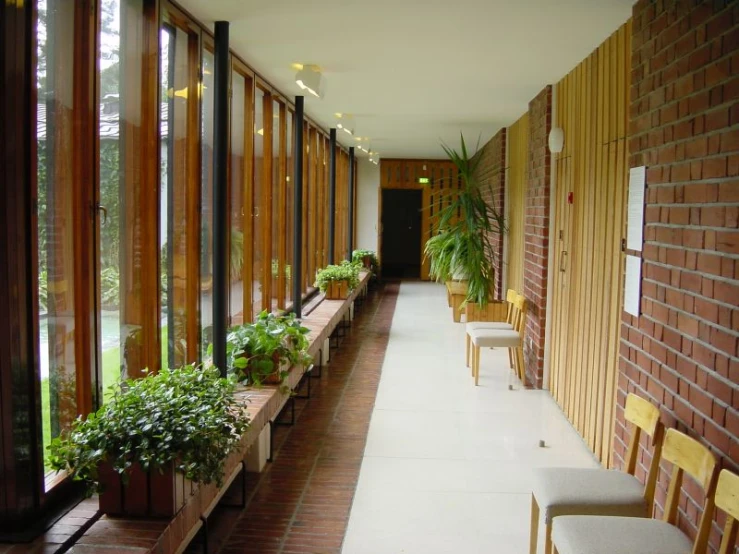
(520,317)
(645,417)
(727,499)
(510,298)
(689,456)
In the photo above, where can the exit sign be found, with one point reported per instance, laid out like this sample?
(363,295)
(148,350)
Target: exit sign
(424,180)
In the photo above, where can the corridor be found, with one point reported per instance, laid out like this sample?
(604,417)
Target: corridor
(447,465)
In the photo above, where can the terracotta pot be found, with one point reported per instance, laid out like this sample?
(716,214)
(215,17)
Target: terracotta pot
(367,261)
(147,493)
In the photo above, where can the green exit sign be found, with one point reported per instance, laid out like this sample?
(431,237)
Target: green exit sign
(424,180)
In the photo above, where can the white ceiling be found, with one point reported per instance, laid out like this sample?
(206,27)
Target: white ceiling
(415,73)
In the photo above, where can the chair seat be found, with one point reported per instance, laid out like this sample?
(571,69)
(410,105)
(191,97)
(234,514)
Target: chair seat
(475,325)
(495,337)
(585,491)
(617,535)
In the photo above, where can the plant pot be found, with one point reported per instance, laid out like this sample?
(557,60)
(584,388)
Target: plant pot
(456,294)
(337,290)
(367,262)
(147,493)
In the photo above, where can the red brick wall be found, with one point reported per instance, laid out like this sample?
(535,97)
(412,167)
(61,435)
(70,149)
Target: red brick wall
(491,174)
(682,352)
(536,235)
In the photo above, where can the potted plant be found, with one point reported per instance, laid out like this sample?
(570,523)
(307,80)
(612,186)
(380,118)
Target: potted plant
(368,259)
(336,281)
(460,251)
(154,433)
(262,352)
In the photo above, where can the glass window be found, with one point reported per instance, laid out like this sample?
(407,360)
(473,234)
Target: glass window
(289,204)
(122,260)
(237,176)
(57,195)
(206,203)
(258,202)
(179,310)
(277,222)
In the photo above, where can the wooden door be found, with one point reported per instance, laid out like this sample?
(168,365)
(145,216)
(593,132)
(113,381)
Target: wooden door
(589,224)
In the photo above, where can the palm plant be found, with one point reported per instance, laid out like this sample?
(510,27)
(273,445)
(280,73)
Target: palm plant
(465,225)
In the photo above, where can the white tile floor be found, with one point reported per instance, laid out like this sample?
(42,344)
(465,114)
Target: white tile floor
(447,466)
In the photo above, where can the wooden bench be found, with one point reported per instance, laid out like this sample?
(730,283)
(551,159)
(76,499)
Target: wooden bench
(166,536)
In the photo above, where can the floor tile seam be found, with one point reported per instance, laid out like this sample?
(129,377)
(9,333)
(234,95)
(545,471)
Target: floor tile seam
(291,525)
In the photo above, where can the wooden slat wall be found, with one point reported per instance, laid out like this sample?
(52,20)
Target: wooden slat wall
(518,148)
(592,109)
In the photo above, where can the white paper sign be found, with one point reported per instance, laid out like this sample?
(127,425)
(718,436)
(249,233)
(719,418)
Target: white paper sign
(635,226)
(632,286)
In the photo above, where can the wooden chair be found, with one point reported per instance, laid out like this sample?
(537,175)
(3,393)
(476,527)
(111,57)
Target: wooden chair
(636,535)
(585,491)
(727,499)
(507,324)
(504,338)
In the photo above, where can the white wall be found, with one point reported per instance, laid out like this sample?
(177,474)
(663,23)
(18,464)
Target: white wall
(368,185)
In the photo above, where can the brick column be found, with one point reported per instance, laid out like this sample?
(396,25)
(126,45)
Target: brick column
(491,175)
(536,235)
(682,353)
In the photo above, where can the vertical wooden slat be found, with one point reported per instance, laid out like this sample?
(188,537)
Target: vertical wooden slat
(592,110)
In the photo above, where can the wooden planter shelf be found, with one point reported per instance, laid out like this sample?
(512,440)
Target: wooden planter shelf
(170,510)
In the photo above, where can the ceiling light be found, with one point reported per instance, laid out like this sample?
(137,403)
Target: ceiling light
(309,79)
(345,123)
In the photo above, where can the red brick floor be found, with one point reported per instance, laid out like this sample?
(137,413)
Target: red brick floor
(301,502)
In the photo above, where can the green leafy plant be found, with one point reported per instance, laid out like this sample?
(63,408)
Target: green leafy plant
(261,351)
(43,291)
(345,271)
(358,256)
(188,416)
(461,244)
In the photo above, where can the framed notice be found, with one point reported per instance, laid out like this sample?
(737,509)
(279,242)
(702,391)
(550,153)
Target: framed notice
(635,210)
(632,285)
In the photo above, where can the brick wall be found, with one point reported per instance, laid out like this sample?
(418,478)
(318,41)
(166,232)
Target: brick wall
(491,173)
(536,235)
(682,352)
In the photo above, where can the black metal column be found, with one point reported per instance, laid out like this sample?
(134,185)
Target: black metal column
(352,163)
(298,210)
(332,195)
(220,198)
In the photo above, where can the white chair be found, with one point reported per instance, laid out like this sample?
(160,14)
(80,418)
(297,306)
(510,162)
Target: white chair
(584,491)
(637,535)
(507,324)
(504,338)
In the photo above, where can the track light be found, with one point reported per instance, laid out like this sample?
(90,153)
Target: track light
(309,79)
(346,123)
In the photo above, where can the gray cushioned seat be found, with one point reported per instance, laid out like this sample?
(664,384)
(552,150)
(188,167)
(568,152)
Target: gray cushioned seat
(474,325)
(617,535)
(585,491)
(495,337)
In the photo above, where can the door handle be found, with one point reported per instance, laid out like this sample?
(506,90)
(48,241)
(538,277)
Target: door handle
(562,261)
(104,211)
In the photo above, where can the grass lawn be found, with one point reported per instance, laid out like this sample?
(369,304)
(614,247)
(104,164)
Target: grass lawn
(111,375)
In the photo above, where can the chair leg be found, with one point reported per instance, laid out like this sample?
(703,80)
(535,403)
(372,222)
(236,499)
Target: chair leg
(534,525)
(477,364)
(548,547)
(472,362)
(467,350)
(511,362)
